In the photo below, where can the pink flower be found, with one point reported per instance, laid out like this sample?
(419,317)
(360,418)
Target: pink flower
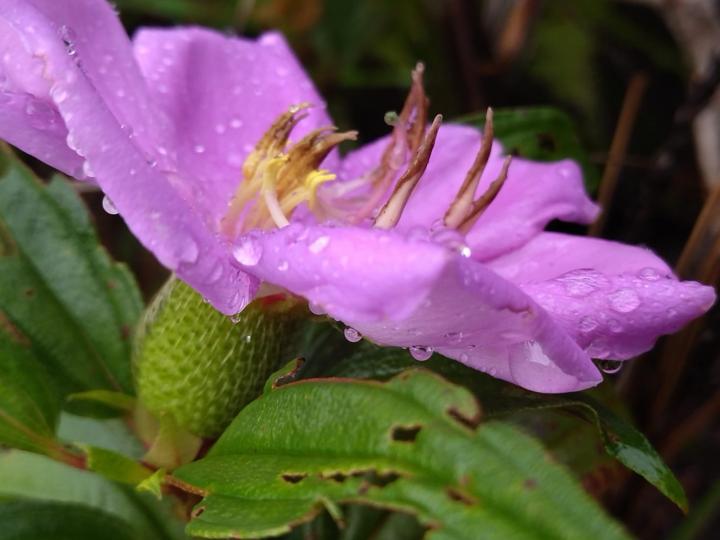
(171,128)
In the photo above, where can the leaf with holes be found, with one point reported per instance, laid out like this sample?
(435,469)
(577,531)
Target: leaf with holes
(502,400)
(540,134)
(411,444)
(58,287)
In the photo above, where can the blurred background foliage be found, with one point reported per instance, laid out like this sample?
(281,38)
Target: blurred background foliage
(585,58)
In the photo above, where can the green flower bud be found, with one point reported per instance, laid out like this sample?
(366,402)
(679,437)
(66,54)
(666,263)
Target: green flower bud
(198,367)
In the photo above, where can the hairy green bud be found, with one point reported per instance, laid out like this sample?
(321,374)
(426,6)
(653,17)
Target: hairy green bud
(198,367)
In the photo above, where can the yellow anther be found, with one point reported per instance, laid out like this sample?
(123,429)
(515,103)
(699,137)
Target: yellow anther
(278,175)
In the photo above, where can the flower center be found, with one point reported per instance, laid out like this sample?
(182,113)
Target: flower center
(279,175)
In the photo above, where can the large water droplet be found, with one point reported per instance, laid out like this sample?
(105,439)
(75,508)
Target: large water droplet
(247,251)
(624,300)
(420,353)
(189,251)
(587,325)
(319,244)
(610,366)
(352,335)
(649,274)
(108,206)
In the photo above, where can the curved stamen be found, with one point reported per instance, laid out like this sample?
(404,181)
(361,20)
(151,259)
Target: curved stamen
(462,206)
(391,212)
(404,138)
(479,206)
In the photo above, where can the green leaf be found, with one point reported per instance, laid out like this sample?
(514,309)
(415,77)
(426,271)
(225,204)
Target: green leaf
(59,288)
(115,466)
(29,407)
(30,520)
(540,134)
(501,400)
(30,476)
(115,400)
(408,444)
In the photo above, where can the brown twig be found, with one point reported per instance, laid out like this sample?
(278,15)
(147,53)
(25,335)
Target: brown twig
(618,148)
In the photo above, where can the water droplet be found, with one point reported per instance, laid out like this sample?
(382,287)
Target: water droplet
(464,358)
(420,353)
(319,244)
(649,274)
(236,123)
(236,318)
(454,337)
(587,325)
(316,309)
(108,206)
(614,326)
(624,300)
(352,335)
(247,251)
(216,274)
(87,170)
(610,366)
(466,252)
(283,266)
(199,149)
(220,129)
(581,283)
(189,251)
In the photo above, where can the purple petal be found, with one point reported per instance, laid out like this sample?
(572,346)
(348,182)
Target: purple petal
(222,94)
(71,41)
(409,292)
(549,255)
(613,299)
(533,195)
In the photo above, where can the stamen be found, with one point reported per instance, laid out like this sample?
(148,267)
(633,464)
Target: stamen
(282,177)
(404,138)
(462,206)
(479,206)
(391,212)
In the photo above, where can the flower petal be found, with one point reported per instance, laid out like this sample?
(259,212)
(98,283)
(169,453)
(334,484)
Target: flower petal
(409,292)
(615,300)
(68,41)
(222,93)
(550,254)
(618,316)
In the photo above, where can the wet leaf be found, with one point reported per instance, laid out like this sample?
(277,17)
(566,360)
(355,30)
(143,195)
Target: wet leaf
(409,444)
(58,287)
(502,400)
(28,520)
(29,406)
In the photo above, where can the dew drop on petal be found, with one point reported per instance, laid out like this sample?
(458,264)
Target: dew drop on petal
(352,335)
(108,206)
(420,353)
(587,325)
(216,274)
(87,170)
(316,309)
(247,252)
(283,266)
(319,244)
(649,274)
(199,149)
(189,251)
(610,366)
(624,300)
